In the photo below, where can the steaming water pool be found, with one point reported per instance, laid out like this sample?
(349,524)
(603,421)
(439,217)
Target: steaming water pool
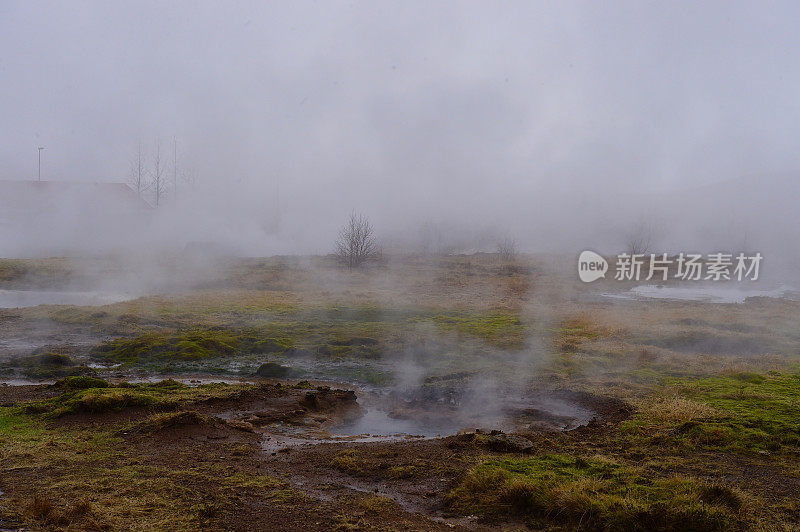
(374,425)
(32,298)
(702,293)
(378,423)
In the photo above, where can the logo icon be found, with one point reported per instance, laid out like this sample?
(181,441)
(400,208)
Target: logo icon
(591,266)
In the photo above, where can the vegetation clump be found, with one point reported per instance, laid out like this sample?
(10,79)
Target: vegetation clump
(91,396)
(81,383)
(166,420)
(594,494)
(188,345)
(93,400)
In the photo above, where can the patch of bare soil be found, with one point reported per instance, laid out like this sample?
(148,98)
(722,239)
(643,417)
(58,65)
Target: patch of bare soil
(11,395)
(315,498)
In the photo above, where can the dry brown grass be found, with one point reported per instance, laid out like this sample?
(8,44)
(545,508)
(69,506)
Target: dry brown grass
(670,407)
(377,504)
(80,514)
(575,331)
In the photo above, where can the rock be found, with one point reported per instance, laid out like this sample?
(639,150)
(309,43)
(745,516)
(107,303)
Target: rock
(326,399)
(340,404)
(241,425)
(272,370)
(509,443)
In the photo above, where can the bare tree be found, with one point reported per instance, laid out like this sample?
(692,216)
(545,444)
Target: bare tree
(138,175)
(507,249)
(158,178)
(356,243)
(640,239)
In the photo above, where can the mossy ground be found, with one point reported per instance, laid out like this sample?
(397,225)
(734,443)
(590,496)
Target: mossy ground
(712,444)
(370,339)
(741,412)
(93,478)
(97,396)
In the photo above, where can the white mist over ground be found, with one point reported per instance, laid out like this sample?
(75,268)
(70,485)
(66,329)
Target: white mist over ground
(565,126)
(31,298)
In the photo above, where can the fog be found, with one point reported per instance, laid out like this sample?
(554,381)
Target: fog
(562,125)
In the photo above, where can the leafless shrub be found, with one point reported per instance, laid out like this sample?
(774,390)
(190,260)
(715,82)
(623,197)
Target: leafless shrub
(507,249)
(640,240)
(356,243)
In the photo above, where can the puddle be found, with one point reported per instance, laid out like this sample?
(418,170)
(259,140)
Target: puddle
(387,419)
(701,293)
(377,425)
(373,426)
(32,298)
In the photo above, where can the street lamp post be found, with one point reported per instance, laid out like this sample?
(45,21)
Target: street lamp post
(40,162)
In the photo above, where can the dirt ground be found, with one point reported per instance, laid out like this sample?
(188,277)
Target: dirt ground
(389,485)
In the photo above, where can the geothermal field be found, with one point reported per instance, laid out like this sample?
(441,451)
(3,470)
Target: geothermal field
(327,265)
(425,392)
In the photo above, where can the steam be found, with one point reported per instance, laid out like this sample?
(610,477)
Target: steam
(564,127)
(561,125)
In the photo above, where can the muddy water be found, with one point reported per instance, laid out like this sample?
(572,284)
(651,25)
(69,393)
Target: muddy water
(379,424)
(384,419)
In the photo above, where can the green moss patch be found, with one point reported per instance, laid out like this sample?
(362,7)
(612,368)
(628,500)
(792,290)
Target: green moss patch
(188,345)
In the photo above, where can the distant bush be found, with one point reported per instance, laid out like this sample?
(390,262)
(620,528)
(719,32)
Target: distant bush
(356,243)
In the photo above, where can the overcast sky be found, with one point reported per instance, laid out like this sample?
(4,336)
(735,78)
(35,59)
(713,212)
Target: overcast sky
(404,108)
